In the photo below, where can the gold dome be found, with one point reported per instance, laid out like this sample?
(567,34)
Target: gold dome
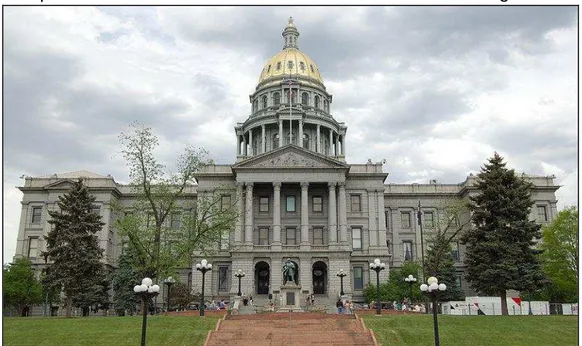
(291,61)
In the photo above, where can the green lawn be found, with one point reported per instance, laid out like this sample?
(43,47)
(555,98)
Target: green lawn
(475,330)
(59,331)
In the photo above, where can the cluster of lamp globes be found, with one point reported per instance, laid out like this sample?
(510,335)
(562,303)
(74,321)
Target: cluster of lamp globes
(204,265)
(377,264)
(433,285)
(146,286)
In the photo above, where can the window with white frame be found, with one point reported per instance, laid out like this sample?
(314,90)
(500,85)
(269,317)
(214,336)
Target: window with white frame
(317,204)
(224,240)
(407,250)
(356,238)
(358,278)
(290,204)
(32,247)
(455,251)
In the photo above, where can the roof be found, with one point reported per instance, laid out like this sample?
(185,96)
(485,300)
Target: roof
(74,175)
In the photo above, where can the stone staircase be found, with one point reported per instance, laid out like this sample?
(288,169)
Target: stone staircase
(297,328)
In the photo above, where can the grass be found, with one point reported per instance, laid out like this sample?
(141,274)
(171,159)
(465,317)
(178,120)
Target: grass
(475,330)
(60,331)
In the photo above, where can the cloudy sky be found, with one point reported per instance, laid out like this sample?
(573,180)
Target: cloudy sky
(433,90)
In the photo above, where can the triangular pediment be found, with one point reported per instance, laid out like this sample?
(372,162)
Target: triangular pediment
(63,184)
(290,156)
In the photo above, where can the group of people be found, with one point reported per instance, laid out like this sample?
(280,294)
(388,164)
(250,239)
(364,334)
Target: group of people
(248,300)
(311,300)
(405,305)
(344,307)
(221,305)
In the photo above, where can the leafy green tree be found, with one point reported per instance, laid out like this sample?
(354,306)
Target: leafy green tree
(124,278)
(181,296)
(20,288)
(396,288)
(501,252)
(73,248)
(151,226)
(560,256)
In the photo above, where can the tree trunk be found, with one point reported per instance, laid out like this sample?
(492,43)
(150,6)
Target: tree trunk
(69,305)
(503,296)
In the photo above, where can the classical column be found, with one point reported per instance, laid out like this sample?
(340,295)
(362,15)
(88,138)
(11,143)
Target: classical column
(300,139)
(304,214)
(381,218)
(277,212)
(263,140)
(281,135)
(372,229)
(330,142)
(244,145)
(251,153)
(332,219)
(337,153)
(240,209)
(343,218)
(249,215)
(343,145)
(318,141)
(237,145)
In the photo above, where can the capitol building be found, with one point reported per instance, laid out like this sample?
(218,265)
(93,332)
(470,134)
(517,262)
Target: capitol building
(301,200)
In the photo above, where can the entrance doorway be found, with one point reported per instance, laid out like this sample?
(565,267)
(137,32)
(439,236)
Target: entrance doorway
(319,277)
(262,274)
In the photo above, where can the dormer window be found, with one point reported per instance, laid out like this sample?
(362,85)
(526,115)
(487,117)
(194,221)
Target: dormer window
(290,64)
(302,66)
(312,70)
(278,65)
(269,69)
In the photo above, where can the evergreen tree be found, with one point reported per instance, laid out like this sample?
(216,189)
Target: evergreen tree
(124,278)
(73,248)
(440,264)
(500,247)
(20,288)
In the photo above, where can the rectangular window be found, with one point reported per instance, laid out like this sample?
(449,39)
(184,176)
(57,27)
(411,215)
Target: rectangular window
(455,251)
(429,219)
(222,278)
(458,281)
(317,235)
(317,204)
(224,202)
(405,219)
(224,240)
(356,238)
(36,214)
(32,247)
(264,204)
(386,221)
(358,278)
(356,202)
(290,236)
(542,214)
(263,236)
(176,221)
(290,204)
(407,250)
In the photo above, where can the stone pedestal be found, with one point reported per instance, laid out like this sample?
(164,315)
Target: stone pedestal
(290,298)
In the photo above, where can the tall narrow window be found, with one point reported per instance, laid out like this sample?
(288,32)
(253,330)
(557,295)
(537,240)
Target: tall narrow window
(429,219)
(176,221)
(290,64)
(304,99)
(36,215)
(386,220)
(317,102)
(225,202)
(290,204)
(269,69)
(223,278)
(264,101)
(358,278)
(255,106)
(542,214)
(455,251)
(290,236)
(405,219)
(356,238)
(32,247)
(312,70)
(407,250)
(317,235)
(325,105)
(356,202)
(263,236)
(264,204)
(306,141)
(278,65)
(302,65)
(317,204)
(224,240)
(275,141)
(277,99)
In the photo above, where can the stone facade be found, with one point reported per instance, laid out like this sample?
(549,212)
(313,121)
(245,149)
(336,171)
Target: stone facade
(299,198)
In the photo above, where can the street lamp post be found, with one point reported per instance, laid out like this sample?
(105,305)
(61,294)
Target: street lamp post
(169,282)
(239,274)
(146,291)
(341,275)
(377,266)
(203,267)
(432,289)
(411,280)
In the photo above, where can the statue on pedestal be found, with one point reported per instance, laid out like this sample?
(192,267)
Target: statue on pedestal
(289,272)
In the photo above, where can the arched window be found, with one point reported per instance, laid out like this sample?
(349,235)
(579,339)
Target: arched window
(317,102)
(325,105)
(265,101)
(304,98)
(255,106)
(293,96)
(275,141)
(277,98)
(306,141)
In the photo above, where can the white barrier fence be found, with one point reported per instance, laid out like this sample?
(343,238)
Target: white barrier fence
(492,306)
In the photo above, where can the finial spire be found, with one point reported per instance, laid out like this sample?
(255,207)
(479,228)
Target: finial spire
(290,35)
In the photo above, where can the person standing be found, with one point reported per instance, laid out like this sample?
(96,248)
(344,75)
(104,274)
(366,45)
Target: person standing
(312,299)
(340,306)
(251,300)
